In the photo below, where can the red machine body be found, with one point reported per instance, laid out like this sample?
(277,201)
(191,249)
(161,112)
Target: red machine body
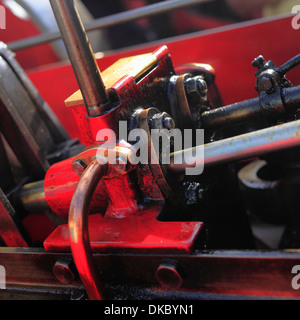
(126,215)
(117,197)
(239,44)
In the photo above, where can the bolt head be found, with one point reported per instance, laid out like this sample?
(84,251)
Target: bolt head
(169,276)
(265,84)
(65,271)
(79,166)
(196,85)
(258,62)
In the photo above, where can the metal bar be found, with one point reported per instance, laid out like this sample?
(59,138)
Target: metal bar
(78,229)
(21,125)
(257,143)
(251,109)
(112,20)
(231,114)
(32,197)
(81,56)
(256,273)
(9,225)
(289,65)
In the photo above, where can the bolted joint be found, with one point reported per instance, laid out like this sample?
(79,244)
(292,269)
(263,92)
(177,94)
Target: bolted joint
(65,271)
(196,85)
(78,166)
(268,81)
(262,65)
(258,62)
(169,275)
(162,121)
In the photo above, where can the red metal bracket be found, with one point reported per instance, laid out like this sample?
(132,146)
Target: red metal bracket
(138,233)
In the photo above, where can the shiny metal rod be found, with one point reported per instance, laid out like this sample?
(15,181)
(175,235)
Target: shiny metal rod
(109,21)
(32,197)
(81,56)
(257,143)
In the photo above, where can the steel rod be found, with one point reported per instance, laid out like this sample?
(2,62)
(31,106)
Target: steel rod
(249,110)
(109,21)
(81,56)
(257,143)
(32,197)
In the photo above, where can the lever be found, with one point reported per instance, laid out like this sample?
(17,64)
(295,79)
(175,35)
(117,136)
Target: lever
(81,55)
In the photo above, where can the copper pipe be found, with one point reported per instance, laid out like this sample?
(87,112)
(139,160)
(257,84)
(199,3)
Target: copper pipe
(78,229)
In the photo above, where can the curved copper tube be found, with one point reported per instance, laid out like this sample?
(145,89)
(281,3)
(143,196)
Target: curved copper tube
(78,228)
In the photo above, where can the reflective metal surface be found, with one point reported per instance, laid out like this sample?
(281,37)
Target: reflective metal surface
(81,56)
(78,228)
(273,139)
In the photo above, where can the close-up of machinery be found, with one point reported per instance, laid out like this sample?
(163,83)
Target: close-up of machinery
(93,209)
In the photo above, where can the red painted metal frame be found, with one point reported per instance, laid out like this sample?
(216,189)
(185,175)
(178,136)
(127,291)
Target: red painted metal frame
(230,50)
(139,233)
(130,93)
(60,183)
(275,39)
(123,215)
(60,180)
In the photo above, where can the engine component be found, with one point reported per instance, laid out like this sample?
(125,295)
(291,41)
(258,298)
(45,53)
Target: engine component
(121,204)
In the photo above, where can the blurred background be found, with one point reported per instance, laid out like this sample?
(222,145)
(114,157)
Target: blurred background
(27,18)
(196,18)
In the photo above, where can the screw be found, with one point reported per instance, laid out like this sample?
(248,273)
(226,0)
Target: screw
(65,271)
(265,84)
(78,166)
(258,62)
(169,276)
(196,85)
